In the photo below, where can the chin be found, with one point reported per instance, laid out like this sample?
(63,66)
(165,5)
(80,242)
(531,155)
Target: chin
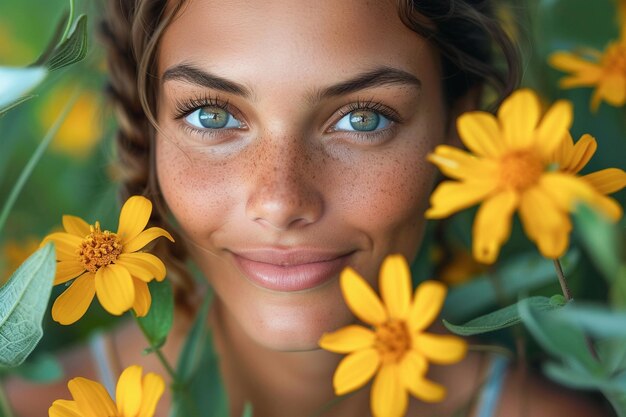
(293,322)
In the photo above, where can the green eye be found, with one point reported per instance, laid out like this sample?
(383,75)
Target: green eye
(212,117)
(362,121)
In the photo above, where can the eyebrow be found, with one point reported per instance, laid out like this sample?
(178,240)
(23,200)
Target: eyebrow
(376,77)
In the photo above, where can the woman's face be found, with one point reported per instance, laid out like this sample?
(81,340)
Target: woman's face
(293,143)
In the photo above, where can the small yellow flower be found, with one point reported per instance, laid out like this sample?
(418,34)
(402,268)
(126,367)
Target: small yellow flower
(606,71)
(135,397)
(107,264)
(520,163)
(82,128)
(460,268)
(397,347)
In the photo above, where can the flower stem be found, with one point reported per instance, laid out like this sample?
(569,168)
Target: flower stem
(157,350)
(5,409)
(559,273)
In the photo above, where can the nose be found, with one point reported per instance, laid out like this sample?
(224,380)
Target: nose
(284,192)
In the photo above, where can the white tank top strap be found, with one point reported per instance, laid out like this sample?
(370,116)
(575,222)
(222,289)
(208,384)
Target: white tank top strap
(103,353)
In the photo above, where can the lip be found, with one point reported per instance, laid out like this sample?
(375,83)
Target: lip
(290,270)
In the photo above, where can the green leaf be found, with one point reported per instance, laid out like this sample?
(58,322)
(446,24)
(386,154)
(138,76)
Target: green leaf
(157,323)
(23,302)
(500,319)
(564,340)
(618,401)
(520,275)
(200,392)
(73,48)
(247,410)
(54,40)
(600,239)
(15,103)
(596,320)
(15,82)
(44,368)
(581,379)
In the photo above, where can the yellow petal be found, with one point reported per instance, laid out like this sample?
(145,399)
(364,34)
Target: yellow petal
(144,266)
(607,206)
(492,225)
(480,132)
(395,286)
(362,300)
(355,370)
(607,181)
(564,191)
(544,223)
(128,391)
(554,127)
(427,391)
(412,368)
(66,245)
(74,302)
(441,349)
(64,408)
(115,289)
(613,89)
(144,238)
(348,339)
(134,217)
(67,270)
(428,300)
(153,387)
(458,164)
(76,226)
(389,397)
(143,299)
(581,154)
(452,196)
(585,73)
(518,116)
(91,397)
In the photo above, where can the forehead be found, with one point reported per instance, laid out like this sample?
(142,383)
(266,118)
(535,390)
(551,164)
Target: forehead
(293,40)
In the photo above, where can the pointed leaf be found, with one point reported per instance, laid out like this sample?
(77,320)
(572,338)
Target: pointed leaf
(73,48)
(157,324)
(519,275)
(23,302)
(500,319)
(15,82)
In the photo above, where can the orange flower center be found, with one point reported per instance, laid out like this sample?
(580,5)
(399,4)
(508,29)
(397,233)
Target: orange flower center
(520,169)
(614,59)
(392,340)
(99,248)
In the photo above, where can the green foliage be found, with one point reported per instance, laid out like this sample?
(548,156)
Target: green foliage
(157,323)
(43,369)
(519,275)
(503,318)
(199,391)
(71,49)
(23,302)
(14,82)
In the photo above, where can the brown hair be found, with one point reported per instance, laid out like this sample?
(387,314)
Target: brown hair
(464,32)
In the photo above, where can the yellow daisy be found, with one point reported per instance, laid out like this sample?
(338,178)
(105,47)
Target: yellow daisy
(519,162)
(135,397)
(107,264)
(606,71)
(397,349)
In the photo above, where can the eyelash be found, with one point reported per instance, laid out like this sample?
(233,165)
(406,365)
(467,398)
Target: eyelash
(184,108)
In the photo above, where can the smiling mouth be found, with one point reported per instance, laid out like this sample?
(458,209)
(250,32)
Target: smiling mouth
(290,270)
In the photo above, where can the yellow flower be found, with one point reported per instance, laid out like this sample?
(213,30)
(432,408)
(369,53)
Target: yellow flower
(460,268)
(107,264)
(82,128)
(135,397)
(606,71)
(520,163)
(397,347)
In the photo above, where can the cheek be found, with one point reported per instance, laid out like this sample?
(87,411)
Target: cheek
(195,191)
